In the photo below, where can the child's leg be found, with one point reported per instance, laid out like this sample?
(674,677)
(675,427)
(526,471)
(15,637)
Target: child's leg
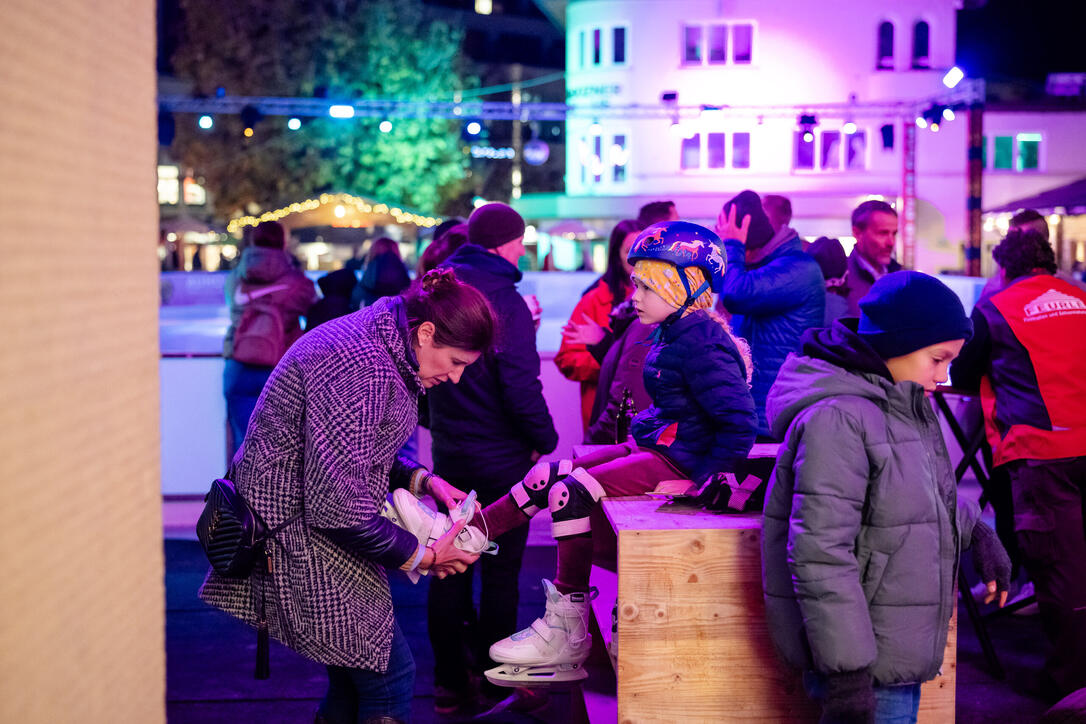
(529,496)
(573,499)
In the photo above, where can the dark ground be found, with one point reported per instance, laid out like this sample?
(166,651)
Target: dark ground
(210,658)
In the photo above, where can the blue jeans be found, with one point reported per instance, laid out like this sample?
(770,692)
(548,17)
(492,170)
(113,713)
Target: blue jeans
(241,385)
(893,704)
(355,695)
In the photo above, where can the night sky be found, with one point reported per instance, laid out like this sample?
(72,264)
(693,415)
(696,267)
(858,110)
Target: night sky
(1018,40)
(1004,40)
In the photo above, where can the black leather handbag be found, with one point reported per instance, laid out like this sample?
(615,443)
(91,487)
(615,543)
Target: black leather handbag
(235,539)
(232,534)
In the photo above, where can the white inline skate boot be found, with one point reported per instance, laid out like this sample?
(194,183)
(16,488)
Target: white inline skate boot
(552,650)
(428,525)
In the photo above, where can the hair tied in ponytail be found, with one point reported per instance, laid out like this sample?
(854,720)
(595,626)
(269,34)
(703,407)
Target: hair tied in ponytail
(437,279)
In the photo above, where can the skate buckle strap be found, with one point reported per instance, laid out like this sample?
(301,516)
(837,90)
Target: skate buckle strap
(543,629)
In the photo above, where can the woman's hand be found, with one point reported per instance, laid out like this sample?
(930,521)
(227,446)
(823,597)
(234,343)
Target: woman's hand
(447,559)
(586,333)
(726,228)
(446,494)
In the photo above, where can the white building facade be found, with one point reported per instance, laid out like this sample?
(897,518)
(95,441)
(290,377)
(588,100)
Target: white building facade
(707,99)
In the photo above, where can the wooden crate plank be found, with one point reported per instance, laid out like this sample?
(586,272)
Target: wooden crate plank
(691,621)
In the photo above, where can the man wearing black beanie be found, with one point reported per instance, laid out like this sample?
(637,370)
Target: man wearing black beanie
(772,289)
(488,431)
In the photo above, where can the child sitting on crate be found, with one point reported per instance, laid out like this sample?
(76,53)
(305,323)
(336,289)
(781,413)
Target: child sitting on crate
(863,526)
(701,422)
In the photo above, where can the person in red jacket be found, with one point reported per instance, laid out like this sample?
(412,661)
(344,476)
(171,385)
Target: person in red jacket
(1026,359)
(591,317)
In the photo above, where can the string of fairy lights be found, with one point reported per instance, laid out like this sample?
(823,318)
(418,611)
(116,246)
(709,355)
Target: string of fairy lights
(343,204)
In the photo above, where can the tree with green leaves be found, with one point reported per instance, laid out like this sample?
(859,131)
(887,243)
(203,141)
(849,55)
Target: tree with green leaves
(339,49)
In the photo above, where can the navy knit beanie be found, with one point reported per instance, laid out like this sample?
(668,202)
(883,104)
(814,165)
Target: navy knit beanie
(748,203)
(492,225)
(906,311)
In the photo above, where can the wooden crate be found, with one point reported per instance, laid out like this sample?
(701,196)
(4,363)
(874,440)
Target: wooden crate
(693,642)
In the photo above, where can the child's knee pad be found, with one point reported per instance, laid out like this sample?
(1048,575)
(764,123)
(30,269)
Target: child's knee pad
(530,494)
(571,502)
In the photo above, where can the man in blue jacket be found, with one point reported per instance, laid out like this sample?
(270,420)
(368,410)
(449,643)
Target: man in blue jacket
(488,431)
(773,290)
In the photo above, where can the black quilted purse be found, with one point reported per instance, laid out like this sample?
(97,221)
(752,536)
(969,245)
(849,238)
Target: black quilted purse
(232,534)
(234,539)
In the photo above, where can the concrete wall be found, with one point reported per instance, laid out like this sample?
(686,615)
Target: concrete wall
(82,613)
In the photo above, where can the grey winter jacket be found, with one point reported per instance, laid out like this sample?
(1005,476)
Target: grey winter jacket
(862,526)
(323,441)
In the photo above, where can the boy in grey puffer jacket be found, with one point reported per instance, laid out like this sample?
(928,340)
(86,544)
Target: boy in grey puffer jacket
(862,526)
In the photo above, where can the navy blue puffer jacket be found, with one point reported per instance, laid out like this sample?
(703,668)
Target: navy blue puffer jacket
(702,415)
(772,302)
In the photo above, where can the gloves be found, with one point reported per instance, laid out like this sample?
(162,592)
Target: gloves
(990,557)
(850,699)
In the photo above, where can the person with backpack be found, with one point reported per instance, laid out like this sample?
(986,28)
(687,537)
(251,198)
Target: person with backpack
(322,449)
(266,296)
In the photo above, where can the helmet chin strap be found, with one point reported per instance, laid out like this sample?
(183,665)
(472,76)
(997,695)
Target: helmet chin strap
(690,297)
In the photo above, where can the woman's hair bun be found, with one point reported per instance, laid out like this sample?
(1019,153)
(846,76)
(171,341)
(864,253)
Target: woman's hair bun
(438,279)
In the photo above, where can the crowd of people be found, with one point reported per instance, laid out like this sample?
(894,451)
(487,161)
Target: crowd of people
(719,338)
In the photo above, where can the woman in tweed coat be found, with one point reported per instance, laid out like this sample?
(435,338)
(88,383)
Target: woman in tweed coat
(323,440)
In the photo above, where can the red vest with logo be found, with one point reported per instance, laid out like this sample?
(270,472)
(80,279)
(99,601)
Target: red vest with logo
(1035,404)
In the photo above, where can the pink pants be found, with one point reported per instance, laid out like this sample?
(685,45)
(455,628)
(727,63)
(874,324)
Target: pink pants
(627,469)
(620,470)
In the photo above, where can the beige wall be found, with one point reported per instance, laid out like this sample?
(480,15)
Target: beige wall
(81,596)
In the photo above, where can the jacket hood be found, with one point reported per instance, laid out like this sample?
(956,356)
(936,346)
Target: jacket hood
(786,239)
(482,269)
(338,283)
(261,264)
(833,361)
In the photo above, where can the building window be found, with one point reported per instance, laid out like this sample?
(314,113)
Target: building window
(715,149)
(596,49)
(692,44)
(740,150)
(620,157)
(803,158)
(921,43)
(597,159)
(169,185)
(708,43)
(886,46)
(718,44)
(582,147)
(691,152)
(1004,153)
(856,151)
(713,155)
(831,151)
(1029,152)
(742,43)
(618,46)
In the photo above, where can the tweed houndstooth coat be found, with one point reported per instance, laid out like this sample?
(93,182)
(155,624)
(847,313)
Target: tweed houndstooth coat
(322,440)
